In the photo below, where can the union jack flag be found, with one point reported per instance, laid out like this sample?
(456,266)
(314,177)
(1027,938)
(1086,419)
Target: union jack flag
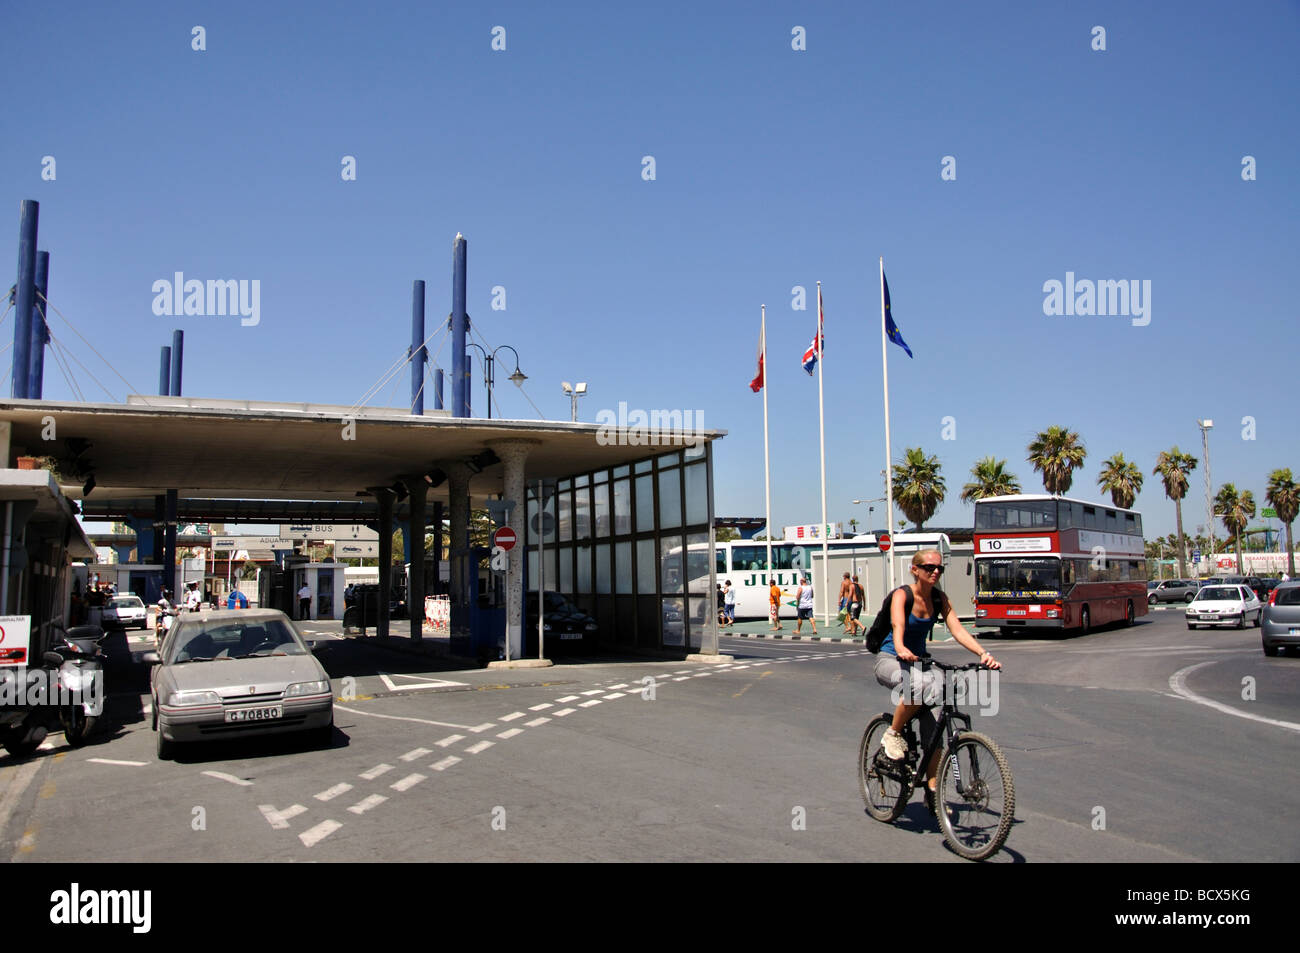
(810,355)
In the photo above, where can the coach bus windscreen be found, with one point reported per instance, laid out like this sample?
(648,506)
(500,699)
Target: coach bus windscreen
(1016,515)
(1025,578)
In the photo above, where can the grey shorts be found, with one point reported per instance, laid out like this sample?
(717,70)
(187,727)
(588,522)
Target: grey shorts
(914,686)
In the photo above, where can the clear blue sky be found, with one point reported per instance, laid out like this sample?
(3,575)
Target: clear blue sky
(774,168)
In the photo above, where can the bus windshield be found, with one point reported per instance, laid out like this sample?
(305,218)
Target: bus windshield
(1015,515)
(1025,578)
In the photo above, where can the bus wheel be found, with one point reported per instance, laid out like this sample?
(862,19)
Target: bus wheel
(1128,614)
(1085,621)
(1006,632)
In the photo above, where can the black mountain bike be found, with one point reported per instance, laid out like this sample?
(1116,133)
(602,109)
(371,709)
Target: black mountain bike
(977,797)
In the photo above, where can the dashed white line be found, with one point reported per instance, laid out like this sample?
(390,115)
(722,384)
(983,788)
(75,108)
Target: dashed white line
(542,707)
(481,746)
(701,675)
(376,771)
(512,716)
(510,733)
(594,691)
(330,794)
(614,688)
(564,711)
(567,698)
(410,781)
(588,704)
(449,740)
(141,764)
(483,727)
(614,695)
(313,836)
(367,804)
(445,763)
(414,754)
(280,819)
(537,721)
(681,679)
(222,776)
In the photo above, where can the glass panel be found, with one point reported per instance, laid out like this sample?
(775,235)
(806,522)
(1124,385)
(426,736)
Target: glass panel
(700,610)
(623,568)
(695,451)
(581,514)
(600,495)
(720,563)
(622,507)
(531,559)
(550,568)
(645,567)
(622,471)
(674,616)
(644,466)
(645,504)
(580,480)
(697,495)
(669,459)
(1022,514)
(600,476)
(697,562)
(670,498)
(564,501)
(670,563)
(566,569)
(564,484)
(583,554)
(602,569)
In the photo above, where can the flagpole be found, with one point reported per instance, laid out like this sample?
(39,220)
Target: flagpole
(821,423)
(884,365)
(767,466)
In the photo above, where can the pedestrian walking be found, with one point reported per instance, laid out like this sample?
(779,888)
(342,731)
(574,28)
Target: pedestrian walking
(846,596)
(805,599)
(855,609)
(304,602)
(774,606)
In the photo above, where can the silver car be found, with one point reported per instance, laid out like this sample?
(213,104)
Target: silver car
(126,612)
(1281,628)
(237,672)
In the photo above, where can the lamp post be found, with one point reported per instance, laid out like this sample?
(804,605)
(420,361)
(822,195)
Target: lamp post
(574,393)
(1205,426)
(489,374)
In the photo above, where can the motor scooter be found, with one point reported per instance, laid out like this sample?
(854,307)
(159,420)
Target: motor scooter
(164,621)
(78,658)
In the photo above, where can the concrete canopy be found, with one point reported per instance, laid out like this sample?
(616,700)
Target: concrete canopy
(281,451)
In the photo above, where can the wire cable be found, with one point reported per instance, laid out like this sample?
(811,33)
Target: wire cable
(131,388)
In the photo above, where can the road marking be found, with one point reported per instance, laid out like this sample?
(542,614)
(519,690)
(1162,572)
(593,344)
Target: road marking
(376,771)
(13,791)
(445,763)
(331,793)
(512,716)
(682,679)
(421,721)
(594,691)
(567,698)
(615,695)
(413,754)
(701,675)
(1178,682)
(280,819)
(614,688)
(422,682)
(483,727)
(564,711)
(367,804)
(408,782)
(481,746)
(510,733)
(537,721)
(449,740)
(141,764)
(685,671)
(314,835)
(594,701)
(222,776)
(542,707)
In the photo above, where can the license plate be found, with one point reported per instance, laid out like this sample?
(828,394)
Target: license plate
(1015,612)
(255,714)
(570,635)
(1210,618)
(1294,631)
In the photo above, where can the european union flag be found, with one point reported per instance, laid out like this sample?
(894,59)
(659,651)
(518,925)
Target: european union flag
(891,329)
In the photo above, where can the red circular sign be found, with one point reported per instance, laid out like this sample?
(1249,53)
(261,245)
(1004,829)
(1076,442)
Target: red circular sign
(884,542)
(505,538)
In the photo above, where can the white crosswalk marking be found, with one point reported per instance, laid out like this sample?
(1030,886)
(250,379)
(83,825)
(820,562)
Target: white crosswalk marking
(376,771)
(410,781)
(313,836)
(367,804)
(481,746)
(537,721)
(449,740)
(445,763)
(512,716)
(510,733)
(414,754)
(330,794)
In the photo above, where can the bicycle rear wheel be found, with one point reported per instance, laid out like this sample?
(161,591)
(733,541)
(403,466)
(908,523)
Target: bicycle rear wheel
(882,786)
(977,796)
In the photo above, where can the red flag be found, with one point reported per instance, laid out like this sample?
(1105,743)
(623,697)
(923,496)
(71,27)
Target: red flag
(756,384)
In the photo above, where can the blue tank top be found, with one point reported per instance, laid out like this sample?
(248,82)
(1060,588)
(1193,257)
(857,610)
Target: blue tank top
(915,634)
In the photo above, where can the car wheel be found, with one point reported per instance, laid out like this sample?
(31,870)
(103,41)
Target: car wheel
(1259,618)
(323,737)
(1190,627)
(1129,614)
(166,749)
(1190,597)
(1085,621)
(1270,650)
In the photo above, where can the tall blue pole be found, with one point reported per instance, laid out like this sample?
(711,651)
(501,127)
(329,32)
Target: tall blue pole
(437,389)
(459,327)
(419,353)
(25,297)
(178,347)
(40,332)
(165,372)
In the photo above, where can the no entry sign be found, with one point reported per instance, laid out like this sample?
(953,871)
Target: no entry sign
(505,538)
(884,542)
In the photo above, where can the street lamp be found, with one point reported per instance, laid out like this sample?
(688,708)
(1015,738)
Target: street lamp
(870,509)
(1205,426)
(489,374)
(574,393)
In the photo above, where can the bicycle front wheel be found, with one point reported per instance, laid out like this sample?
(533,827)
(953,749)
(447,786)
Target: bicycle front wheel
(977,797)
(882,786)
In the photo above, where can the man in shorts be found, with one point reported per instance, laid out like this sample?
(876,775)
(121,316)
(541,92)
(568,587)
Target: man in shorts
(804,597)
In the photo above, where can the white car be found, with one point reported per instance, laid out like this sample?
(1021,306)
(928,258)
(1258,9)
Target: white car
(126,612)
(1224,605)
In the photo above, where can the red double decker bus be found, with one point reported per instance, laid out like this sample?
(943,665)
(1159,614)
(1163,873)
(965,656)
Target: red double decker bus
(1047,562)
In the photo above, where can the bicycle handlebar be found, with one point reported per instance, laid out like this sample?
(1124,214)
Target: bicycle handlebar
(928,660)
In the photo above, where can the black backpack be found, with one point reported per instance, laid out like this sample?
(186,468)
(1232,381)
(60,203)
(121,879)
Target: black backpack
(882,625)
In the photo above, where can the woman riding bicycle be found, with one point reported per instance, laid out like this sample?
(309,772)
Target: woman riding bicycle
(898,662)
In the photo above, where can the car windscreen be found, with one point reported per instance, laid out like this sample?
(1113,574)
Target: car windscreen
(1287,596)
(1212,593)
(126,602)
(229,639)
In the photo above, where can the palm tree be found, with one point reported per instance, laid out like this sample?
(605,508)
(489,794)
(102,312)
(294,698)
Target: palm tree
(1173,466)
(1121,479)
(991,479)
(1284,495)
(1235,510)
(918,488)
(1056,453)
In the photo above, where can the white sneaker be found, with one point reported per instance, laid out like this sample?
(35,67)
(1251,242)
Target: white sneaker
(894,744)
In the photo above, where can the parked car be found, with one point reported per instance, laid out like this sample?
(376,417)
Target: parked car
(566,627)
(1218,604)
(231,673)
(1281,627)
(124,612)
(1173,590)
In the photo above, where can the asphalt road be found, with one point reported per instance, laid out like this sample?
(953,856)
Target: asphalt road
(1147,744)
